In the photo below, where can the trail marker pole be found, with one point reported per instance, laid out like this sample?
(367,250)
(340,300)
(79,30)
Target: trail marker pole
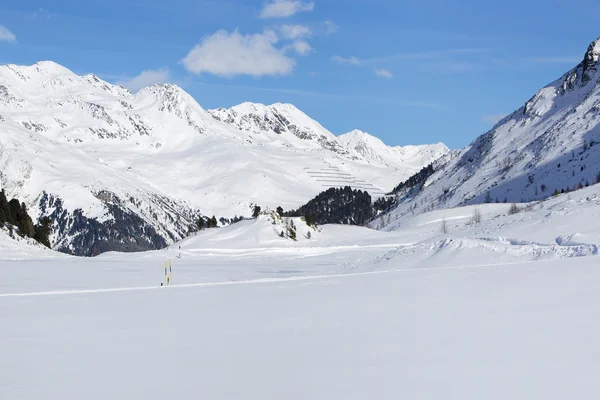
(166,279)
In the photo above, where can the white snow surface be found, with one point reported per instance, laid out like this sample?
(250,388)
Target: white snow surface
(500,309)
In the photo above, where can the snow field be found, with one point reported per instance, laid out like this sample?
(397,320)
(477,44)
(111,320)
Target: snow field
(500,309)
(516,331)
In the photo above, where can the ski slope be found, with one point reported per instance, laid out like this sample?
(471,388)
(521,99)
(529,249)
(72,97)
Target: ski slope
(499,309)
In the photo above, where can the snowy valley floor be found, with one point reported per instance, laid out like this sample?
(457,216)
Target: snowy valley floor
(504,309)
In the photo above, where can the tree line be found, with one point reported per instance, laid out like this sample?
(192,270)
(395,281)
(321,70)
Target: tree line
(14,213)
(417,179)
(204,222)
(337,206)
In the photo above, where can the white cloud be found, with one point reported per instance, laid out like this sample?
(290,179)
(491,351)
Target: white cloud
(301,47)
(6,35)
(285,8)
(346,60)
(330,27)
(426,55)
(493,119)
(383,73)
(42,13)
(146,78)
(229,54)
(295,31)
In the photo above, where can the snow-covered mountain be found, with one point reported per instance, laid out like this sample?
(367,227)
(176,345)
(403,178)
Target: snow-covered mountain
(277,121)
(131,171)
(550,144)
(373,149)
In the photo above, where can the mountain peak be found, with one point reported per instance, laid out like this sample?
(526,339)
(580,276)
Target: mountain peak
(357,133)
(163,87)
(50,68)
(356,136)
(41,69)
(253,108)
(167,92)
(285,107)
(372,148)
(248,108)
(47,64)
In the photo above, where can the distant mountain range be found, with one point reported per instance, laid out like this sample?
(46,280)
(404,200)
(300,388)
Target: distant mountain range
(124,171)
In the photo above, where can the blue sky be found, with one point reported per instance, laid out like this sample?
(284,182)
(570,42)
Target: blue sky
(409,72)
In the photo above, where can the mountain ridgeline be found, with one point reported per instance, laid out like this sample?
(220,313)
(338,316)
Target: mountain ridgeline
(124,171)
(116,170)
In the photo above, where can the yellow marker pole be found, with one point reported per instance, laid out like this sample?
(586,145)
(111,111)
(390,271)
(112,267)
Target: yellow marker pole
(165,273)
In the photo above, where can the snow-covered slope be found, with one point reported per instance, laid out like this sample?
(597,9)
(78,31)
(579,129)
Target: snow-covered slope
(550,144)
(15,247)
(118,170)
(503,309)
(373,149)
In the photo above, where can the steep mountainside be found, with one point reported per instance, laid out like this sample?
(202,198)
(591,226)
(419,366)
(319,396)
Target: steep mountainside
(550,144)
(124,171)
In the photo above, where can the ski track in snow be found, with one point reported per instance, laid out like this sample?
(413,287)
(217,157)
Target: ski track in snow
(260,281)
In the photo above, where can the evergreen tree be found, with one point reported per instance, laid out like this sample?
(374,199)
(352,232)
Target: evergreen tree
(308,219)
(14,209)
(291,230)
(43,230)
(488,197)
(256,212)
(200,223)
(213,222)
(280,211)
(4,205)
(25,222)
